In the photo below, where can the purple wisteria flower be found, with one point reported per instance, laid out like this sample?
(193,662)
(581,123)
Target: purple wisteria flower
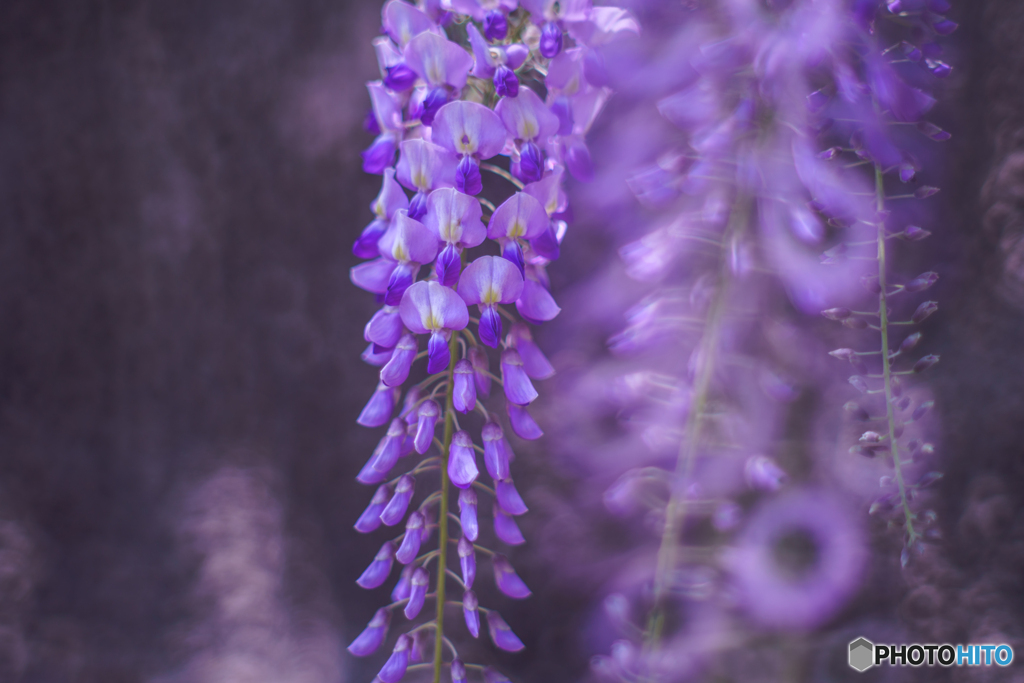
(457,103)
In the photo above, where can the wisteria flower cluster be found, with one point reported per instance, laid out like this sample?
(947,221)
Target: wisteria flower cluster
(786,105)
(878,98)
(478,99)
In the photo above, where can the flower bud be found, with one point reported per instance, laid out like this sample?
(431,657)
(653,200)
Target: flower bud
(506,579)
(462,467)
(926,362)
(467,514)
(464,389)
(838,314)
(913,233)
(922,410)
(398,662)
(550,40)
(470,613)
(458,671)
(370,519)
(426,423)
(910,342)
(925,191)
(495,25)
(404,585)
(505,528)
(501,634)
(896,386)
(508,497)
(396,371)
(870,437)
(924,310)
(871,283)
(467,561)
(420,579)
(859,384)
(922,282)
(518,387)
(506,84)
(410,547)
(395,510)
(378,571)
(522,422)
(497,451)
(367,642)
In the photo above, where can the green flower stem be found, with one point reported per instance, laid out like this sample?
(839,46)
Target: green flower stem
(883,314)
(675,510)
(442,514)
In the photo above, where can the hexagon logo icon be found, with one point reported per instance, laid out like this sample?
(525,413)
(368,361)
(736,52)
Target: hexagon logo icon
(862,654)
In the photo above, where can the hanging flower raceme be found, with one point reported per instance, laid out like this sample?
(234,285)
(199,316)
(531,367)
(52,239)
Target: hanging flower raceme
(463,127)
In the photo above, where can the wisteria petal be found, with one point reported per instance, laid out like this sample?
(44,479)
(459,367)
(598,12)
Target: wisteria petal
(425,166)
(403,21)
(438,61)
(468,128)
(467,561)
(501,634)
(505,528)
(536,304)
(518,387)
(548,191)
(508,497)
(390,199)
(373,276)
(398,662)
(365,245)
(429,307)
(462,467)
(377,573)
(387,111)
(490,326)
(483,64)
(521,215)
(409,241)
(397,369)
(464,390)
(470,612)
(367,642)
(370,519)
(535,362)
(526,117)
(455,217)
(468,514)
(396,508)
(380,154)
(378,409)
(490,280)
(522,422)
(506,579)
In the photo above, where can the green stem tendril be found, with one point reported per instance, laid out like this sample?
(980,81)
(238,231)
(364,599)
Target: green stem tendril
(887,373)
(442,514)
(675,510)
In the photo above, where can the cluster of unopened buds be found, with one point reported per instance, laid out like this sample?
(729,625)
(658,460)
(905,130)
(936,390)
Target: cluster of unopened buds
(480,100)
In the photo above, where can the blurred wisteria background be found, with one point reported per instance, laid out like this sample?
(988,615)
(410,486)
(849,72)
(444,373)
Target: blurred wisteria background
(713,498)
